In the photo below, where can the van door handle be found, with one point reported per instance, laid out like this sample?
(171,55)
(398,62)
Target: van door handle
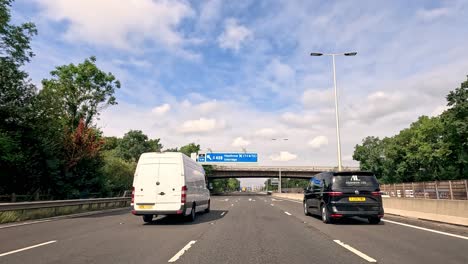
(161,193)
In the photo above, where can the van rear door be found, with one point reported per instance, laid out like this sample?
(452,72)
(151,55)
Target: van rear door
(145,187)
(169,182)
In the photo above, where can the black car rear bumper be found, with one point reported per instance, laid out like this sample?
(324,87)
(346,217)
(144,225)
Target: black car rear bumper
(361,213)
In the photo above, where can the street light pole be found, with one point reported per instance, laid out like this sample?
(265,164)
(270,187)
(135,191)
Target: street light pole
(279,174)
(337,118)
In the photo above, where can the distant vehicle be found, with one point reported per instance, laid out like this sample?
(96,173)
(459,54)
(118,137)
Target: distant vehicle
(169,183)
(335,195)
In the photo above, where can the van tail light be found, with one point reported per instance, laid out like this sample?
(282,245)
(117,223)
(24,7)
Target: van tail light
(376,193)
(133,195)
(335,193)
(336,215)
(183,197)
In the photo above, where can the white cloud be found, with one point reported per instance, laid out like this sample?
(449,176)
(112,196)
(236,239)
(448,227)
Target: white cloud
(162,109)
(322,118)
(209,107)
(312,98)
(266,133)
(202,125)
(279,71)
(240,142)
(283,156)
(380,104)
(439,110)
(318,142)
(210,12)
(234,35)
(123,24)
(431,14)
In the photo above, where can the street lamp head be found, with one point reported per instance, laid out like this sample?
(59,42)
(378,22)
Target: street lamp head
(316,54)
(350,53)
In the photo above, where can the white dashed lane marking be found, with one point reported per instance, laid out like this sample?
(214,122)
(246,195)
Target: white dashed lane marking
(26,248)
(355,251)
(182,251)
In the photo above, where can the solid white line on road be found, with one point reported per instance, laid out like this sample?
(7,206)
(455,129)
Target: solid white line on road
(226,199)
(287,213)
(26,248)
(271,204)
(250,199)
(355,251)
(27,223)
(426,229)
(232,204)
(223,213)
(182,251)
(253,200)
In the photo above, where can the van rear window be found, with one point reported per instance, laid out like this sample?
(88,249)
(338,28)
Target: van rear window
(355,181)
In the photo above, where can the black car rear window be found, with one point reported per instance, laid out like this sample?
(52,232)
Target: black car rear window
(355,180)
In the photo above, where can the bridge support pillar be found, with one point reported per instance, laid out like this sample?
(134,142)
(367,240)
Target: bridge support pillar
(279,181)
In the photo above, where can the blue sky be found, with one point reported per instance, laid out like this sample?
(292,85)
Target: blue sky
(233,74)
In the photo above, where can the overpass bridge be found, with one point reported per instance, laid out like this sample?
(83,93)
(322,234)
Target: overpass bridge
(298,172)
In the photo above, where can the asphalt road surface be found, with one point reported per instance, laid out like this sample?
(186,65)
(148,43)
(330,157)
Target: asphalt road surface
(239,229)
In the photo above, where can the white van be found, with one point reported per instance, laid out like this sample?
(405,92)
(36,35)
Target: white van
(169,183)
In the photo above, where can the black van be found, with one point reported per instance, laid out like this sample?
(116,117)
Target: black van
(335,195)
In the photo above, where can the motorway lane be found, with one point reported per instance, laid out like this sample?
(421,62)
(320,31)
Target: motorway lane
(118,237)
(245,229)
(255,232)
(388,242)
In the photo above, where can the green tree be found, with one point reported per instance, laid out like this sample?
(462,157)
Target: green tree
(70,101)
(80,91)
(15,41)
(455,121)
(118,174)
(190,148)
(21,160)
(111,143)
(172,150)
(432,148)
(134,143)
(370,155)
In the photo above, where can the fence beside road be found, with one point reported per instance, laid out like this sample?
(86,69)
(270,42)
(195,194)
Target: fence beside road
(441,190)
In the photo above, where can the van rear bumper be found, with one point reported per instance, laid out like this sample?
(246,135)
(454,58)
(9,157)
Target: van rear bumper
(157,212)
(178,211)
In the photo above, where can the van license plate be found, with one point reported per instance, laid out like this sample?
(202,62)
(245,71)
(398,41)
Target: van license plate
(145,207)
(357,199)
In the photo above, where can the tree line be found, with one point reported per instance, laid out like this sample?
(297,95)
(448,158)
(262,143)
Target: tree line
(50,144)
(432,148)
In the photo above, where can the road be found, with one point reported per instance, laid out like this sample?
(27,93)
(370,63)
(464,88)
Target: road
(239,229)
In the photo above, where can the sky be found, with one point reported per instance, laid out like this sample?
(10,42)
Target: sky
(233,75)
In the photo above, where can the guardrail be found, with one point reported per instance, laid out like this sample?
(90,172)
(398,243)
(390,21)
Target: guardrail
(59,203)
(12,212)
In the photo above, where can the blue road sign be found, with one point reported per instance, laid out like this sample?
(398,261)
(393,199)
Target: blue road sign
(227,157)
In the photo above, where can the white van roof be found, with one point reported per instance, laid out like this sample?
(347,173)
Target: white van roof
(161,154)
